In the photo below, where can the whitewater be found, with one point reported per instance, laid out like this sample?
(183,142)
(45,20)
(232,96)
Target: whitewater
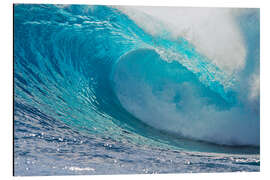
(120,90)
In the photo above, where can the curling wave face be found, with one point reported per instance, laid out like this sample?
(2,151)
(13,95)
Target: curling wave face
(100,72)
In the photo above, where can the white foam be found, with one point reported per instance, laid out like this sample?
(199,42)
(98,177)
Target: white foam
(74,168)
(176,107)
(195,119)
(213,31)
(254,87)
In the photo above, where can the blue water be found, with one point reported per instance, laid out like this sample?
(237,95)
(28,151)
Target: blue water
(94,93)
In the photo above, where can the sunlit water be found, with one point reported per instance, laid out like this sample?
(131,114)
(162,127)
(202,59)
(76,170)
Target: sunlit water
(97,93)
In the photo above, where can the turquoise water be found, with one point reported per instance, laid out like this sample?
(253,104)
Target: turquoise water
(94,93)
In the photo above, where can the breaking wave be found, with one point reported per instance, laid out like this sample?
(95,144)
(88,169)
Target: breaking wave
(100,70)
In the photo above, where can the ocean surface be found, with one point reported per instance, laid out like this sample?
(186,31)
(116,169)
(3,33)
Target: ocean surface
(124,90)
